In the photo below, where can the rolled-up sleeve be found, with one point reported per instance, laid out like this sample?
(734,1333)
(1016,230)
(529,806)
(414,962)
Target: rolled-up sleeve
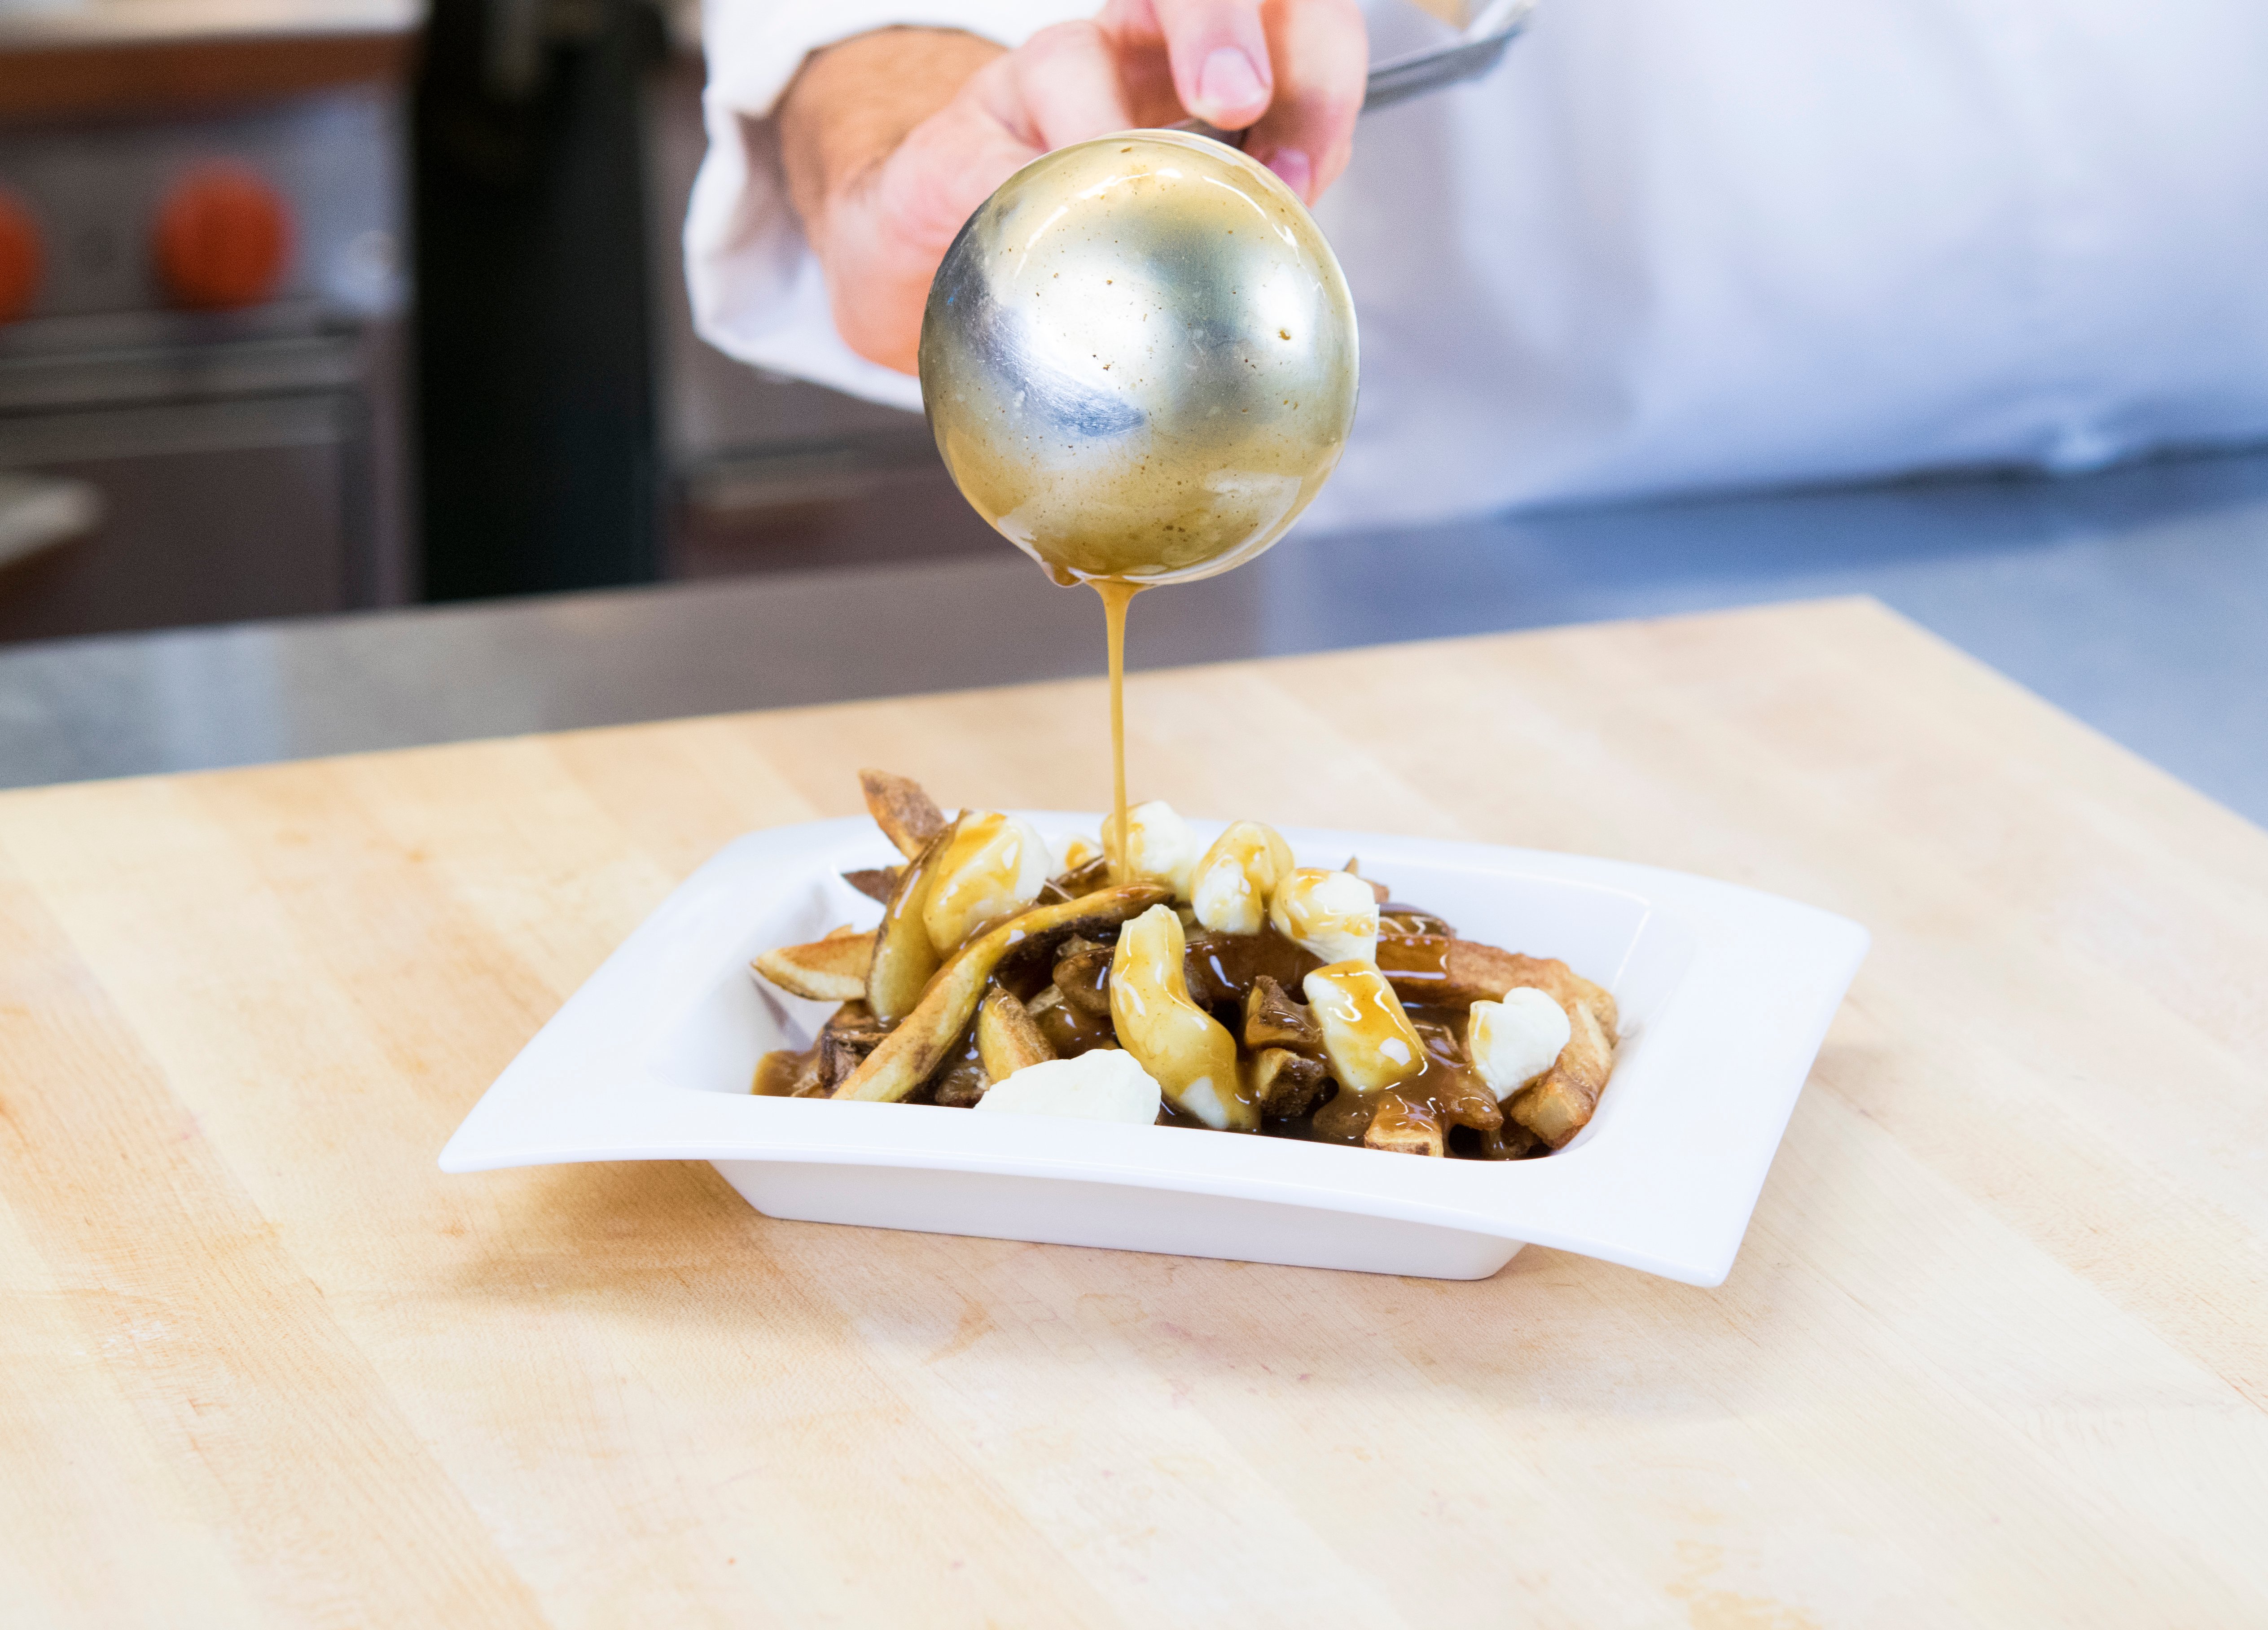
(756,288)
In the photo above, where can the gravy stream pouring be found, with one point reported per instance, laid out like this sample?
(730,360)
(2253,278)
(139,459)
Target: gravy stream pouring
(1139,361)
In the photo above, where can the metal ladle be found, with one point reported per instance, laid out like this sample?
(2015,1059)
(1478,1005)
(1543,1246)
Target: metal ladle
(1138,357)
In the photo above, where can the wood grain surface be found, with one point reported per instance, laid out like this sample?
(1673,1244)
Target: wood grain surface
(1995,1352)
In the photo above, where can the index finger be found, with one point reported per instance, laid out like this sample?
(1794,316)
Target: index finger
(1218,51)
(1067,86)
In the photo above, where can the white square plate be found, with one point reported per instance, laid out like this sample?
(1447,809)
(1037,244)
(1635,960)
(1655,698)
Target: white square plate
(1724,993)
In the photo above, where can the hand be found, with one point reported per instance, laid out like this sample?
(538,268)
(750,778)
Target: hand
(892,139)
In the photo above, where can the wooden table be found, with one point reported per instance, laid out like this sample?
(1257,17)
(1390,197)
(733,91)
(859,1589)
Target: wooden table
(1996,1350)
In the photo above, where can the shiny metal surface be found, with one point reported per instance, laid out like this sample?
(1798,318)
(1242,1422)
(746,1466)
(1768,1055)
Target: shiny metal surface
(2134,598)
(1139,358)
(1472,53)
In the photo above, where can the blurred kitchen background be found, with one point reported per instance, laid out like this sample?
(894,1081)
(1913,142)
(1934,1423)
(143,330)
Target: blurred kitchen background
(313,305)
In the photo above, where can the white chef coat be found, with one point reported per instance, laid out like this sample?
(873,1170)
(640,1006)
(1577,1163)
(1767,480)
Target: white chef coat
(1672,246)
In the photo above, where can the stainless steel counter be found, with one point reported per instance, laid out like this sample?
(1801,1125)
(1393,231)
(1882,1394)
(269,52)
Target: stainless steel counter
(2136,600)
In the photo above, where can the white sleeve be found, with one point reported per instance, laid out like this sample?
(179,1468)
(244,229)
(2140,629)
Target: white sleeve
(755,285)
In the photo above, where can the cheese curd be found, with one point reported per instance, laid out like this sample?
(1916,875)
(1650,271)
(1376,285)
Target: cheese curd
(1367,1036)
(1189,1052)
(1514,1042)
(1160,847)
(993,868)
(1230,884)
(1332,914)
(1106,1083)
(1068,851)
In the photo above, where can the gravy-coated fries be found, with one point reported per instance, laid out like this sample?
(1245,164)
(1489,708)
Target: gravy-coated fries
(1228,989)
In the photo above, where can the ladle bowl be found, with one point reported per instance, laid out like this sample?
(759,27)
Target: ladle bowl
(1138,358)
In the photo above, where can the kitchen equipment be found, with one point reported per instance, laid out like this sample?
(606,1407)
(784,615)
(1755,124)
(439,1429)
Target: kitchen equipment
(536,373)
(1138,358)
(1475,51)
(207,336)
(38,512)
(1123,385)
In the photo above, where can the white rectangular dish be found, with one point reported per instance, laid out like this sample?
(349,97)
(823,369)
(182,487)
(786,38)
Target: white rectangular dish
(1725,995)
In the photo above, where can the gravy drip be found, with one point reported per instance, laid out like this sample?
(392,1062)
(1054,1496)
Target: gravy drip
(779,1073)
(1414,963)
(1445,1092)
(1118,594)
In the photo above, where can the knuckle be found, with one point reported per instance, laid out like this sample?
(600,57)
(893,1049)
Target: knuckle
(1058,41)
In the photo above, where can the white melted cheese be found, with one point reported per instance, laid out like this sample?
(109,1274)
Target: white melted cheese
(1105,1084)
(1160,847)
(1514,1042)
(1332,914)
(1231,886)
(993,868)
(1067,851)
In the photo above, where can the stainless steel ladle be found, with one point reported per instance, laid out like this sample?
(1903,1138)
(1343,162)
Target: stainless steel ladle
(1477,49)
(1138,357)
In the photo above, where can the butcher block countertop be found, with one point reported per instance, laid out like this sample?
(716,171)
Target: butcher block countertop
(1995,1351)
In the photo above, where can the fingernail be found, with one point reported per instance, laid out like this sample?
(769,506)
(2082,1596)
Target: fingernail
(1228,82)
(1292,165)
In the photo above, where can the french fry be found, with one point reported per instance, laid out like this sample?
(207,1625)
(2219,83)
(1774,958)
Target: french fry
(1404,1128)
(1561,1103)
(832,969)
(922,1038)
(1444,973)
(905,959)
(1007,1040)
(907,815)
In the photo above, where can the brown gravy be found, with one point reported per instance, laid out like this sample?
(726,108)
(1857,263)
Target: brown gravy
(1414,963)
(778,1074)
(1446,1094)
(1117,594)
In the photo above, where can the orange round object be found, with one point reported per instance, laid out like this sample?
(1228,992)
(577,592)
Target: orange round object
(223,238)
(22,258)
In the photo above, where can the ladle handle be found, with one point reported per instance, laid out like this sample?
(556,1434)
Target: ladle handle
(1471,54)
